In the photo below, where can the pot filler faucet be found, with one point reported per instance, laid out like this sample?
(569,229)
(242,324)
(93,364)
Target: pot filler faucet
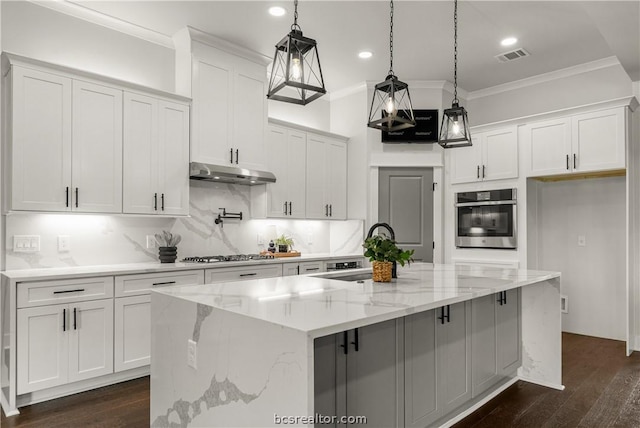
(394,268)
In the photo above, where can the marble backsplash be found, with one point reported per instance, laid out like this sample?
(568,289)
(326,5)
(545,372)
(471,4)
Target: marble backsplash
(115,239)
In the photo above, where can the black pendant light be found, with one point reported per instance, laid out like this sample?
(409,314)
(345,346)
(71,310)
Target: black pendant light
(454,131)
(296,75)
(391,108)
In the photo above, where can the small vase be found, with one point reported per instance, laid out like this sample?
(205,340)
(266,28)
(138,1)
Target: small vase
(283,248)
(382,271)
(168,254)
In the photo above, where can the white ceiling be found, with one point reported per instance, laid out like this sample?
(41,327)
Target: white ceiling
(557,34)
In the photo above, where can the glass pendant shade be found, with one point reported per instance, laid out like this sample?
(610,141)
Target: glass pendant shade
(391,108)
(455,128)
(296,75)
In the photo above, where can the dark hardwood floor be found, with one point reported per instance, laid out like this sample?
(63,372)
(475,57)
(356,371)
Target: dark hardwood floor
(602,389)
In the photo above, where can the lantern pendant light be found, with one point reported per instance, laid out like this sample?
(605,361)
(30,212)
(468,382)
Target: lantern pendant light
(296,75)
(454,131)
(391,108)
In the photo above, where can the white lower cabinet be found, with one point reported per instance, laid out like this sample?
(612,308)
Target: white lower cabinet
(496,338)
(302,268)
(132,346)
(64,343)
(240,273)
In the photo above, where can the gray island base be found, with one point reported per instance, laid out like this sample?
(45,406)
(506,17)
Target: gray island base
(422,351)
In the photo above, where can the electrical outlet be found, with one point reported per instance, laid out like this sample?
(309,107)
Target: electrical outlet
(564,304)
(582,241)
(309,238)
(192,354)
(260,239)
(64,243)
(151,241)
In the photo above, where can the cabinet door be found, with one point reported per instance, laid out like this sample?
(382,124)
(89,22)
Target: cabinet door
(96,158)
(277,152)
(173,146)
(508,333)
(42,341)
(90,339)
(548,147)
(41,141)
(290,269)
(466,162)
(500,154)
(212,97)
(373,373)
(317,207)
(483,343)
(132,344)
(296,172)
(249,114)
(140,154)
(599,140)
(324,375)
(337,180)
(420,370)
(454,352)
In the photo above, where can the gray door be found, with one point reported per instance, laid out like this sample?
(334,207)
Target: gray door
(405,201)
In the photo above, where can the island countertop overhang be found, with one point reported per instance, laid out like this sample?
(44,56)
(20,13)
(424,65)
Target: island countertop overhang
(321,306)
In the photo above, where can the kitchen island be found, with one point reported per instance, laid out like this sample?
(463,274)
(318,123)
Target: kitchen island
(270,351)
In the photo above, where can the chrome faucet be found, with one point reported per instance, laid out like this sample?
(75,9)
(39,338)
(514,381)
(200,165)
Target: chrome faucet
(394,268)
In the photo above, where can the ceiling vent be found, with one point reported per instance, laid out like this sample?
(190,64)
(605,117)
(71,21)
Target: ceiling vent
(512,55)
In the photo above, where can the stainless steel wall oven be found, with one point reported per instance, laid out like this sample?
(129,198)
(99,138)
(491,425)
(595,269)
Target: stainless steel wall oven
(486,219)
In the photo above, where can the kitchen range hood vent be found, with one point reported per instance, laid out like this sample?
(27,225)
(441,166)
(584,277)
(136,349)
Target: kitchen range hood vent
(229,174)
(512,55)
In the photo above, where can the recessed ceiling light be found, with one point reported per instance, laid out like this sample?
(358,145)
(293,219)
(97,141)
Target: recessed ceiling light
(277,11)
(365,54)
(509,41)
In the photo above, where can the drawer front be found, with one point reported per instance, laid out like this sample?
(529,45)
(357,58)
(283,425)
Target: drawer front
(133,285)
(311,267)
(242,273)
(39,293)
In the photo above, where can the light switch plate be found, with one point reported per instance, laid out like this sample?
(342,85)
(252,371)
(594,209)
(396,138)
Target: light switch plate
(26,243)
(582,241)
(151,241)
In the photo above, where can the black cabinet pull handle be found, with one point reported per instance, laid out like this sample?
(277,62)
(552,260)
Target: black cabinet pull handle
(499,298)
(478,172)
(326,210)
(237,155)
(249,274)
(483,171)
(310,269)
(77,290)
(75,319)
(284,210)
(567,162)
(163,283)
(345,342)
(67,197)
(448,313)
(162,199)
(330,210)
(298,269)
(76,197)
(289,207)
(155,201)
(231,154)
(505,297)
(441,317)
(64,320)
(574,161)
(356,342)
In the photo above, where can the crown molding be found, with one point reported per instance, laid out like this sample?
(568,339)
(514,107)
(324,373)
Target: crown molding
(545,77)
(218,43)
(77,11)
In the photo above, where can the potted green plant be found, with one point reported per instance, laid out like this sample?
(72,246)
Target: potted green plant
(284,242)
(382,252)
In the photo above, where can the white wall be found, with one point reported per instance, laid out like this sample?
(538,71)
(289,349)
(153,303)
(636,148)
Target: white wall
(41,33)
(571,91)
(314,115)
(593,276)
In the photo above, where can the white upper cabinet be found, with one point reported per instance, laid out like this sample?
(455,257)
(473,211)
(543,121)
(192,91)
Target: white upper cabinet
(96,152)
(326,178)
(156,159)
(586,142)
(229,110)
(41,141)
(286,158)
(493,156)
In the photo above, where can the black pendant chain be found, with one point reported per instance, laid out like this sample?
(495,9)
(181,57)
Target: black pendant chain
(391,40)
(455,51)
(295,25)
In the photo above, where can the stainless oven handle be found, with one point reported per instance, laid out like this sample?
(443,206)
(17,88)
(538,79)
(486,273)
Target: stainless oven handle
(485,203)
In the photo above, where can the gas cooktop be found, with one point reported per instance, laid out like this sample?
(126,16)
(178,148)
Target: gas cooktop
(230,258)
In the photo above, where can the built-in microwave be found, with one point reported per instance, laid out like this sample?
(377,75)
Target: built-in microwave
(486,219)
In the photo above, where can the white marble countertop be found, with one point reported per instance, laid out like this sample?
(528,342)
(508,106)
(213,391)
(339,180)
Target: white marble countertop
(152,267)
(321,306)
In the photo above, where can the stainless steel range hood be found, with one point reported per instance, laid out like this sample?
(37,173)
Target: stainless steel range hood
(229,174)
